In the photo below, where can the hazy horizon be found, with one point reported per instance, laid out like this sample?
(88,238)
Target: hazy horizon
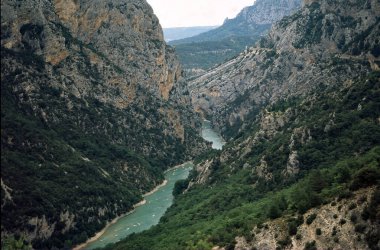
(196,13)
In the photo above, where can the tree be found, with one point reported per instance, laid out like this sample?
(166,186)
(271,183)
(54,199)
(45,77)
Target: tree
(274,212)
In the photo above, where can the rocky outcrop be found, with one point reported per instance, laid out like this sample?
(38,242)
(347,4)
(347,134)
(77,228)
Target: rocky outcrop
(340,227)
(250,97)
(88,87)
(267,11)
(316,40)
(120,36)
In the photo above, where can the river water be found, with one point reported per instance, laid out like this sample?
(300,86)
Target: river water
(210,135)
(149,214)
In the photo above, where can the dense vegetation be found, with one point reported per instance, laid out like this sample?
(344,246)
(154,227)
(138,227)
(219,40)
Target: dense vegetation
(214,47)
(207,54)
(63,157)
(337,160)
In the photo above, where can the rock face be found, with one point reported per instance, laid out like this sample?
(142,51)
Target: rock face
(278,102)
(93,101)
(122,36)
(284,63)
(252,21)
(267,11)
(340,223)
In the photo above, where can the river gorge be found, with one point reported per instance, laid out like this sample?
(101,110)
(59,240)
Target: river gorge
(148,212)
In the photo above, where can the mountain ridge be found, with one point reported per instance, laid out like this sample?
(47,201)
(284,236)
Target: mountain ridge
(214,47)
(300,114)
(251,21)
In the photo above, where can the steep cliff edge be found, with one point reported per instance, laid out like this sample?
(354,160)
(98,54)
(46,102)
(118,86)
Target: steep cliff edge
(94,108)
(333,41)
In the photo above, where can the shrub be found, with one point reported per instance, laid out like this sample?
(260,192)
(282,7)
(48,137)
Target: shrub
(373,238)
(318,231)
(365,177)
(310,245)
(360,228)
(284,243)
(311,218)
(274,212)
(292,228)
(373,205)
(344,195)
(354,218)
(352,206)
(365,213)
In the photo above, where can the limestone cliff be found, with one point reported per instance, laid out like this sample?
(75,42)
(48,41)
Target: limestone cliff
(316,40)
(287,107)
(341,224)
(93,101)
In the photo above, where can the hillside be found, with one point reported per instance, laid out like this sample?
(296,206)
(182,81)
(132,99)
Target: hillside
(252,21)
(301,113)
(323,46)
(215,46)
(92,101)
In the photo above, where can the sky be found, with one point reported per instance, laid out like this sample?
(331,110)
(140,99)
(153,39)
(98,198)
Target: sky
(189,13)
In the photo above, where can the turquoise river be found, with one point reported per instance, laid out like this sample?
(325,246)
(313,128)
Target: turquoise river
(156,203)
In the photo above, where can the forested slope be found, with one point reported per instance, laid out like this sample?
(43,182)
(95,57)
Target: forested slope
(93,110)
(301,113)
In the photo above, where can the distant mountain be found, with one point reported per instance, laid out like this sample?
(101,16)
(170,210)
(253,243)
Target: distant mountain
(213,47)
(171,34)
(252,21)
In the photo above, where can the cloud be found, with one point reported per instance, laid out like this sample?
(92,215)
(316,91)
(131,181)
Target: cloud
(187,13)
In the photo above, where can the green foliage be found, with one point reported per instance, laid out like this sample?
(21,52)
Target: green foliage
(283,105)
(273,212)
(15,243)
(372,209)
(208,54)
(312,28)
(283,243)
(292,228)
(229,206)
(367,176)
(74,158)
(180,186)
